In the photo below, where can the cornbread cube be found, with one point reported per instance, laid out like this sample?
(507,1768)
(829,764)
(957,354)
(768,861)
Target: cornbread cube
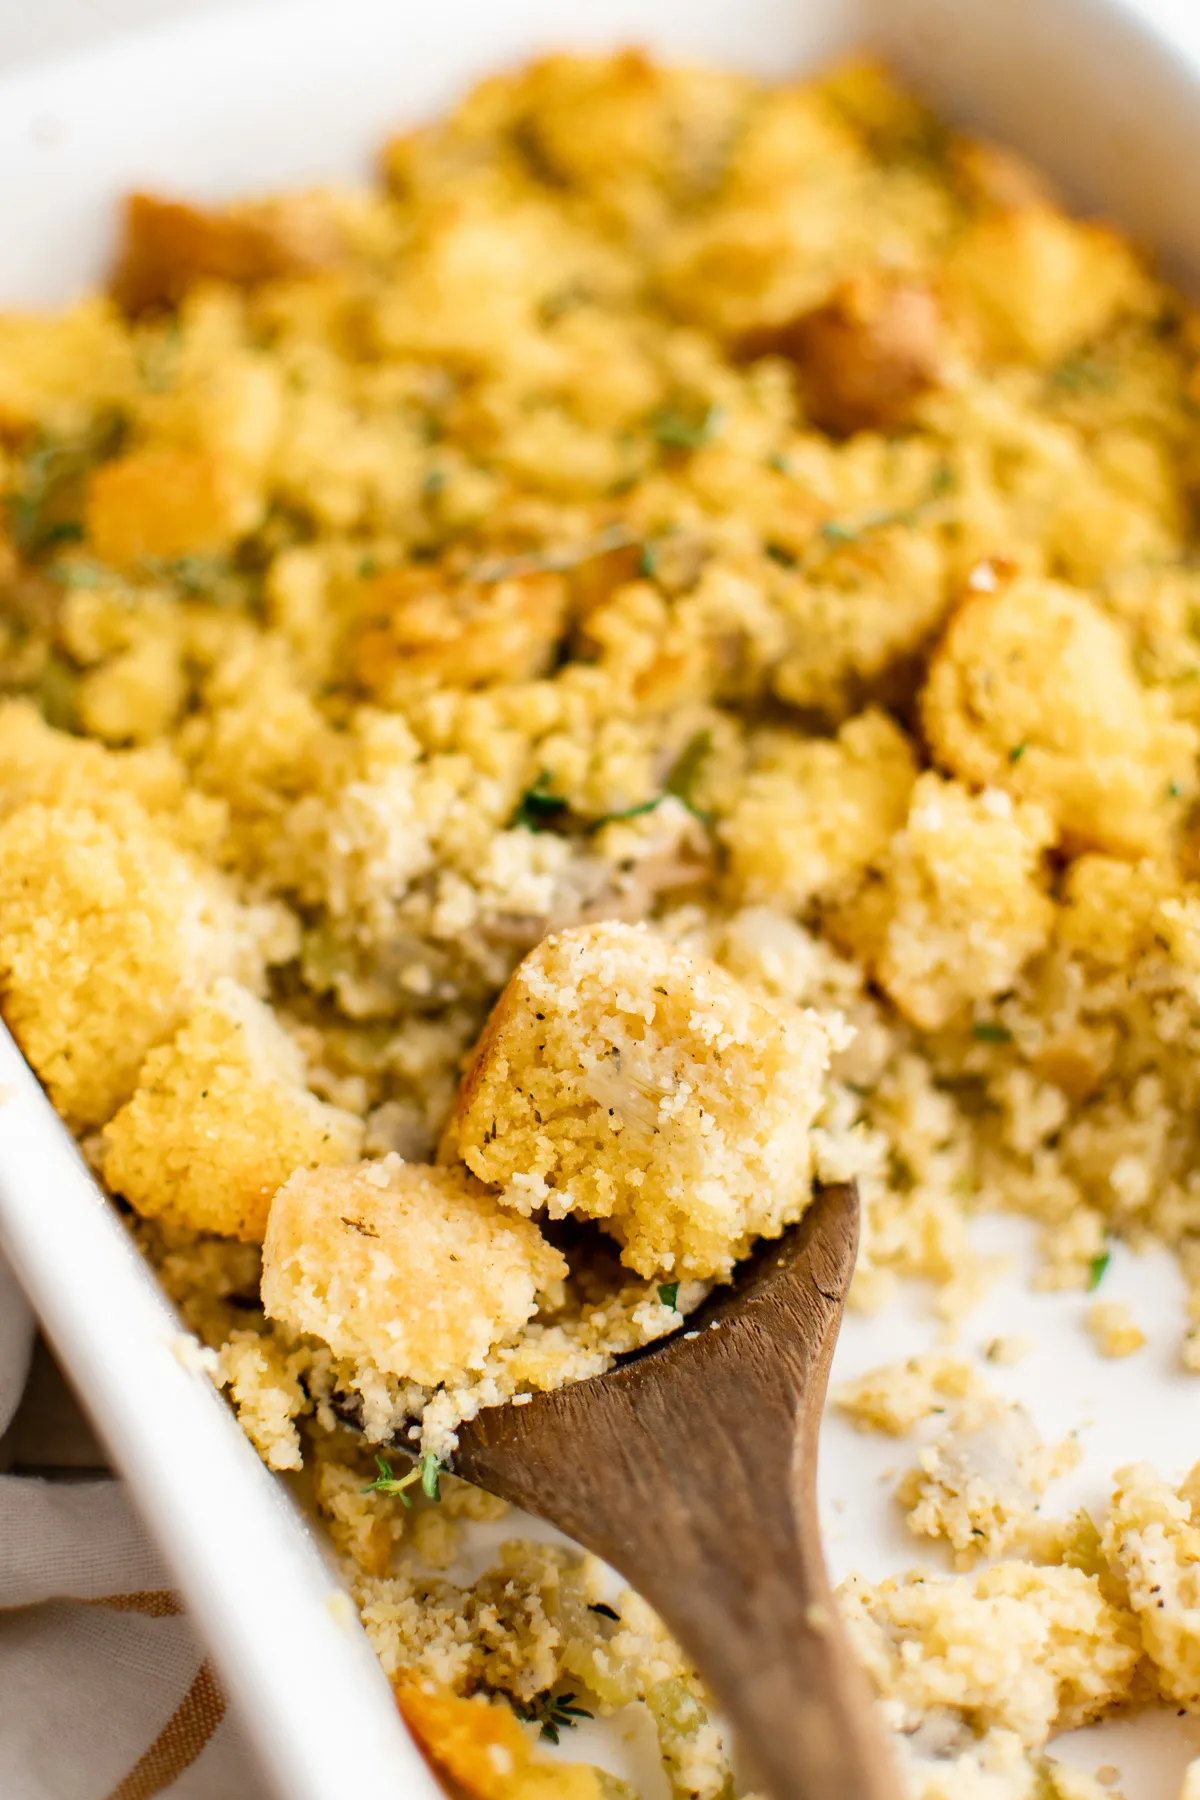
(807,823)
(961,903)
(412,1269)
(221,1116)
(166,503)
(418,624)
(168,247)
(1033,689)
(865,357)
(1036,284)
(108,936)
(624,1080)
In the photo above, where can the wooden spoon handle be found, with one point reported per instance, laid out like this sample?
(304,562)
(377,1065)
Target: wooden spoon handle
(692,1471)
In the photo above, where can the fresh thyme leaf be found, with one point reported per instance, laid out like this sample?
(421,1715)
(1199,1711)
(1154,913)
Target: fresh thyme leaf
(431,1469)
(627,812)
(537,562)
(434,482)
(80,572)
(987,1031)
(851,531)
(677,785)
(649,563)
(43,510)
(1174,791)
(783,557)
(1082,374)
(605,1610)
(668,1293)
(387,1483)
(549,1711)
(685,770)
(199,577)
(538,809)
(675,430)
(1017,752)
(58,693)
(1097,1270)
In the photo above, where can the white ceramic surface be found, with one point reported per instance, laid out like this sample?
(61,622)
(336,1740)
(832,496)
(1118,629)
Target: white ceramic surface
(253,95)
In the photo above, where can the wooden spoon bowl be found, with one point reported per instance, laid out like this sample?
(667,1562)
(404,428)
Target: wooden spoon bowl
(690,1467)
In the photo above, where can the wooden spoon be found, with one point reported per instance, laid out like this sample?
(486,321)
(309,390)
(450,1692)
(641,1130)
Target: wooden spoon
(691,1468)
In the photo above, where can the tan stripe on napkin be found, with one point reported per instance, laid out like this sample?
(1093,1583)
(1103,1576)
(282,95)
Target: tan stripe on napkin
(154,1603)
(179,1742)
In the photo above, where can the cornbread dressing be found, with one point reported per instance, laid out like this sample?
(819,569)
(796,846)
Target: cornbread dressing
(645,659)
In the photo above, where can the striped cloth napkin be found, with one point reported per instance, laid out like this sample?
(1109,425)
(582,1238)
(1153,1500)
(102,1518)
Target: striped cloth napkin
(105,1693)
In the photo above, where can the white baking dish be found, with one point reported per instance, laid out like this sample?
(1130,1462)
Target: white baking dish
(1104,94)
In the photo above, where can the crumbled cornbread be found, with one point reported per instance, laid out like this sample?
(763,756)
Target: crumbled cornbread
(898,1396)
(671,533)
(1114,1329)
(414,1270)
(108,936)
(629,1082)
(977,1486)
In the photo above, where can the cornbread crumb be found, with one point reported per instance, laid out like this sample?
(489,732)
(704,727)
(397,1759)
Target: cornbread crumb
(978,1485)
(895,1397)
(414,1270)
(1112,1327)
(626,1081)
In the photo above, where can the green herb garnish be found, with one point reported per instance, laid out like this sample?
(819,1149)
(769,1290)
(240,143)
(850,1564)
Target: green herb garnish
(538,562)
(1082,374)
(427,1472)
(199,577)
(80,572)
(669,1293)
(44,509)
(678,785)
(686,768)
(605,1610)
(1097,1270)
(987,1031)
(552,1713)
(676,431)
(538,809)
(1017,752)
(851,531)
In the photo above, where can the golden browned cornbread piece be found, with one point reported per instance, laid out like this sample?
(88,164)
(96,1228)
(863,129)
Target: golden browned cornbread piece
(415,1270)
(809,819)
(221,1116)
(627,1081)
(161,503)
(169,246)
(482,1749)
(1033,689)
(1036,285)
(961,904)
(418,625)
(866,355)
(108,935)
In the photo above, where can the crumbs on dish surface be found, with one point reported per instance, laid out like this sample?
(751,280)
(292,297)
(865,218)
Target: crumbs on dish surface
(647,657)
